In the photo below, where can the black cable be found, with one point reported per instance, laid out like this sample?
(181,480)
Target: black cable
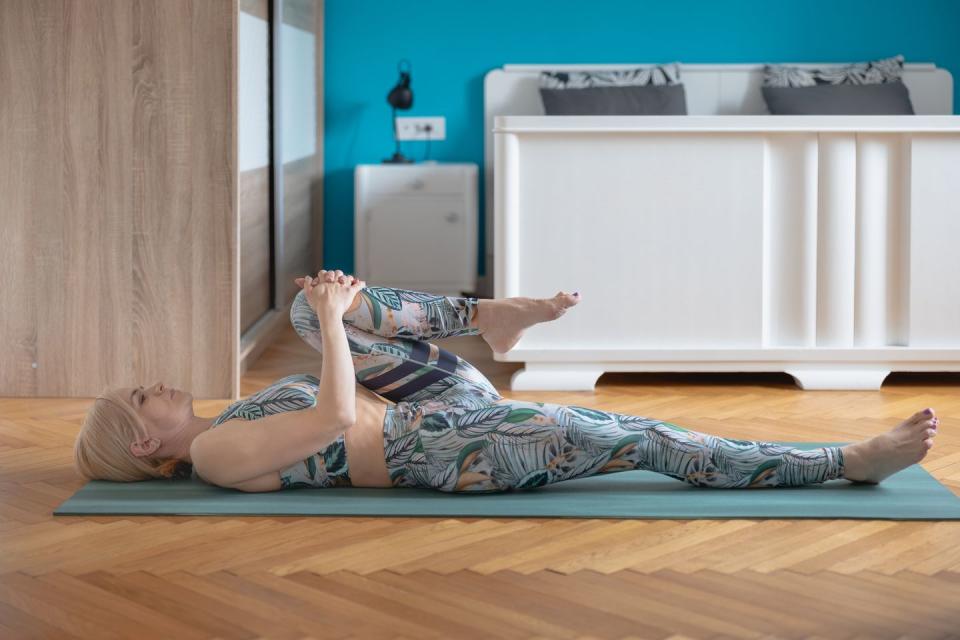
(396,140)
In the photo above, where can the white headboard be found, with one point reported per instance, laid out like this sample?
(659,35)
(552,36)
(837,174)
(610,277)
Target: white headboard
(711,89)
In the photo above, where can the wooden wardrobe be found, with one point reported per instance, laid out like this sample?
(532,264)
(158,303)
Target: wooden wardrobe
(152,219)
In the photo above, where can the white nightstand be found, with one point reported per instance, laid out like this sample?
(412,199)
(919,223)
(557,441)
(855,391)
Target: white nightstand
(415,226)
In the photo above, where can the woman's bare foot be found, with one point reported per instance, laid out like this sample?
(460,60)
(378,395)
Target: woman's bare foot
(502,322)
(907,443)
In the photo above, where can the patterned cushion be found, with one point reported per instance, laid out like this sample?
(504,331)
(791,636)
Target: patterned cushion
(874,72)
(668,74)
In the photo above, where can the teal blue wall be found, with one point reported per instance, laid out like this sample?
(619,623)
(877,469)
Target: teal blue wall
(453,43)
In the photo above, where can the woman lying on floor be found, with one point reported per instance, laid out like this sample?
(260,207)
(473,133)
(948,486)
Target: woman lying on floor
(424,417)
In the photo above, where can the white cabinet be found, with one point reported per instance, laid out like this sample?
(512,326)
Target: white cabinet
(415,227)
(825,247)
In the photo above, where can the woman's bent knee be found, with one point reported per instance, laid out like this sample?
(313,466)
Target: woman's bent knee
(305,322)
(302,316)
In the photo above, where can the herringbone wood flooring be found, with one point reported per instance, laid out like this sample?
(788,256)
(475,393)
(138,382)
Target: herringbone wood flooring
(363,577)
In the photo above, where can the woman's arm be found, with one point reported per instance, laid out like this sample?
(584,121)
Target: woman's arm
(338,383)
(239,451)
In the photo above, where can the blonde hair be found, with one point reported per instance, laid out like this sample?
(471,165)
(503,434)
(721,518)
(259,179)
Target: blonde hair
(102,448)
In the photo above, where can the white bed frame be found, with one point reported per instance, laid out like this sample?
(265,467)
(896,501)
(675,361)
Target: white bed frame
(827,247)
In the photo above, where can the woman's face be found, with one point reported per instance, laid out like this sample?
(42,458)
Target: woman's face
(164,410)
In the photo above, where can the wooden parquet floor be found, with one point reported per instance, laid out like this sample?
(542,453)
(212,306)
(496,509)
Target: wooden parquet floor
(365,577)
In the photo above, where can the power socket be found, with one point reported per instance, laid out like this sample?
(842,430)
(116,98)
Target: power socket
(432,128)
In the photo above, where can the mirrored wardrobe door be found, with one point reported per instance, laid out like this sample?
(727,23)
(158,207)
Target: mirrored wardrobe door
(254,159)
(298,140)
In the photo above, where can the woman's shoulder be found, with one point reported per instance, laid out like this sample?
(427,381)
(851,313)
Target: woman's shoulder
(290,393)
(306,381)
(298,378)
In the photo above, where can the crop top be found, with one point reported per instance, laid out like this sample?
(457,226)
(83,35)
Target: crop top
(326,468)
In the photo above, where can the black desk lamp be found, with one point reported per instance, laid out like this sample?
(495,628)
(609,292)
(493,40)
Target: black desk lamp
(400,97)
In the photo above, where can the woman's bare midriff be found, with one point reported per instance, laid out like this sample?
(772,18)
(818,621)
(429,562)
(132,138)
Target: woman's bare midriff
(366,459)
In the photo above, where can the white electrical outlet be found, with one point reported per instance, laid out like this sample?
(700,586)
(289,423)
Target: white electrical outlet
(433,128)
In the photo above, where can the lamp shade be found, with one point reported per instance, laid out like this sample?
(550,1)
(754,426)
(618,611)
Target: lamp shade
(401,96)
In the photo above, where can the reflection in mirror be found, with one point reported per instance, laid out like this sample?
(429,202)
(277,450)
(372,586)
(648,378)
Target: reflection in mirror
(300,57)
(253,156)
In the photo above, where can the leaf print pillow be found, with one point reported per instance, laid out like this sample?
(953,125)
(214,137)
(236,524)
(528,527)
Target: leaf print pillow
(873,72)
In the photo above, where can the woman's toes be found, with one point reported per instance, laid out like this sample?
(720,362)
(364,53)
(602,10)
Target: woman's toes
(551,308)
(566,299)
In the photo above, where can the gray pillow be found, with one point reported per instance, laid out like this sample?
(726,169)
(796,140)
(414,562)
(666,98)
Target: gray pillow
(888,98)
(647,100)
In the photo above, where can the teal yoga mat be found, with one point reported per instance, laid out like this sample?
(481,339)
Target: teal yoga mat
(911,494)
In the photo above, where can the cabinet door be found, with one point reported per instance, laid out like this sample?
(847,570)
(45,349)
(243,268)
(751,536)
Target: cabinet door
(416,243)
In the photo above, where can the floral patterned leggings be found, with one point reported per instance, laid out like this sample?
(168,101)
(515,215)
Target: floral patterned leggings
(450,429)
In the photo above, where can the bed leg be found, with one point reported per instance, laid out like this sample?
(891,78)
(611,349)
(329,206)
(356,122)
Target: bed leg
(839,379)
(556,376)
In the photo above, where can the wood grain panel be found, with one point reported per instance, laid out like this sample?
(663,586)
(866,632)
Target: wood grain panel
(301,199)
(184,188)
(255,245)
(117,158)
(66,188)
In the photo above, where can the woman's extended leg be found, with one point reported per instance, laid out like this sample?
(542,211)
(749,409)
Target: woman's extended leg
(400,368)
(392,312)
(402,313)
(515,444)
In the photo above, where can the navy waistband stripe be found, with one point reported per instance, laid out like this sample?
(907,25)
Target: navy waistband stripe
(403,392)
(418,359)
(446,365)
(447,361)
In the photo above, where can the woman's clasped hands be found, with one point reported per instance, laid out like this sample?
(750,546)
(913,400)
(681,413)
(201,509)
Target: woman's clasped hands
(331,292)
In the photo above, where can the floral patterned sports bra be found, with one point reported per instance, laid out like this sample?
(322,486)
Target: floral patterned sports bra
(326,468)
